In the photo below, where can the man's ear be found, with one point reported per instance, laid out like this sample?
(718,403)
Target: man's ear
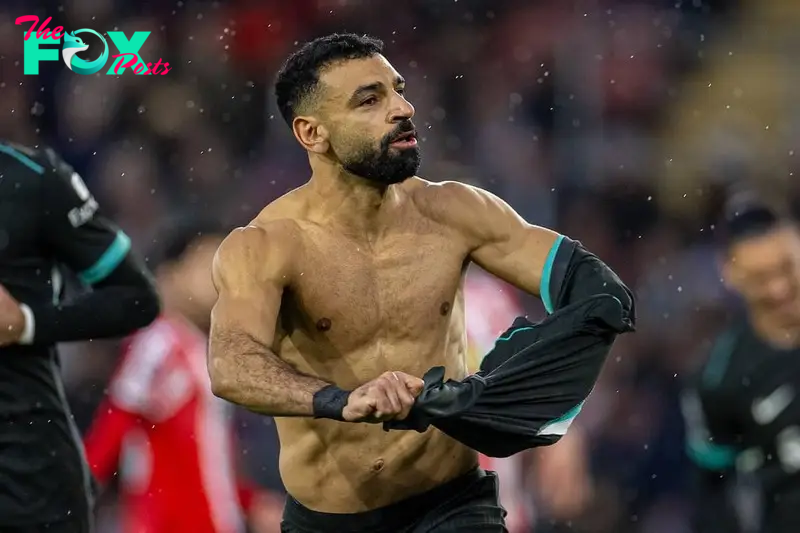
(311,134)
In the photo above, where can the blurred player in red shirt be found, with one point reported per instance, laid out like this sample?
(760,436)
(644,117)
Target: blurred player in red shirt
(160,422)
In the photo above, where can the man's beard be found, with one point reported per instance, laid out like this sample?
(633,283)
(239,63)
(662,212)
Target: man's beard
(386,166)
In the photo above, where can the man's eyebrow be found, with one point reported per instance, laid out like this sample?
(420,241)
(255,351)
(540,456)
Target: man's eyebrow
(367,88)
(374,87)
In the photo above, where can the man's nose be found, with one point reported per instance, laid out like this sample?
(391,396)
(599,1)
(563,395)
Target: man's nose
(403,110)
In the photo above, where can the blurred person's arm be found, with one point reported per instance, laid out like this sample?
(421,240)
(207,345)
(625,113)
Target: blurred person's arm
(122,296)
(561,475)
(709,446)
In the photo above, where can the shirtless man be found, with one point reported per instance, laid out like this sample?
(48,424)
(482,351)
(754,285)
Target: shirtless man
(342,292)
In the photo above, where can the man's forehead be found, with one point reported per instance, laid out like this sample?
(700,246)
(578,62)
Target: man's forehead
(347,76)
(763,250)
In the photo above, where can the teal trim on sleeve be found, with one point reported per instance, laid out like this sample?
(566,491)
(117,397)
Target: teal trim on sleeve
(560,425)
(717,363)
(514,332)
(711,456)
(112,257)
(22,158)
(544,285)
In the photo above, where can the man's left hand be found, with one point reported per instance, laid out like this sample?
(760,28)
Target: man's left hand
(12,320)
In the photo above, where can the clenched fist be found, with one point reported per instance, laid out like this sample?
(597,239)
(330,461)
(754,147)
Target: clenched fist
(389,397)
(12,320)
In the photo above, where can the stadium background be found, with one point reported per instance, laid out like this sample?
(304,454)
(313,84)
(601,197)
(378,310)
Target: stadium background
(619,123)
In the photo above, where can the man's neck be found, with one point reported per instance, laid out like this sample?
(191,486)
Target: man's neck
(349,201)
(777,335)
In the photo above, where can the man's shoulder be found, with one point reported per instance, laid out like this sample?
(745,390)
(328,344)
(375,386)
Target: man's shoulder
(38,169)
(422,189)
(282,217)
(40,160)
(262,249)
(261,235)
(721,361)
(443,200)
(23,164)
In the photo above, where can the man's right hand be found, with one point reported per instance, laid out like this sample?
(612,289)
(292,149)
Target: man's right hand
(389,397)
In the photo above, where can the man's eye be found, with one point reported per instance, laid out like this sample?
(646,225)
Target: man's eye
(370,101)
(401,92)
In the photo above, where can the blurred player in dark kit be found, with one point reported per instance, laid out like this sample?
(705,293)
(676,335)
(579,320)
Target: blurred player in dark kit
(743,411)
(50,221)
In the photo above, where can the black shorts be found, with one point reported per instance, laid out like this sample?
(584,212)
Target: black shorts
(469,503)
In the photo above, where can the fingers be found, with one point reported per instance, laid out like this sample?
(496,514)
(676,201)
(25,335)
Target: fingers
(405,396)
(394,400)
(387,396)
(413,384)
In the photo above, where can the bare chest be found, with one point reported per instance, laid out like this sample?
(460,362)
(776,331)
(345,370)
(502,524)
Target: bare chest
(351,295)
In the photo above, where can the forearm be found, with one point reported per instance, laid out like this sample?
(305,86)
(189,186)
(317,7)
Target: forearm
(126,301)
(263,383)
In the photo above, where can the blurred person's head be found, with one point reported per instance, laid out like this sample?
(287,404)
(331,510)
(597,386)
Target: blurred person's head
(184,254)
(762,260)
(346,105)
(16,123)
(171,108)
(203,159)
(130,176)
(90,104)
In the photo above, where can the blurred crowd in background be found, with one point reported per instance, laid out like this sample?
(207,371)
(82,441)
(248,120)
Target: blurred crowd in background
(619,123)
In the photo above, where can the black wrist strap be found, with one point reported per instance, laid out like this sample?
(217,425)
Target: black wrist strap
(329,402)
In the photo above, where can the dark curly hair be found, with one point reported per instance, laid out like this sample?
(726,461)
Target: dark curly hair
(298,80)
(747,214)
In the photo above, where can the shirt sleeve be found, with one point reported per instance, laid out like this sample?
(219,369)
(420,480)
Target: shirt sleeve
(711,447)
(76,231)
(710,440)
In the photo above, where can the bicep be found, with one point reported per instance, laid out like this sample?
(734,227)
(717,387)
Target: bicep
(503,243)
(246,317)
